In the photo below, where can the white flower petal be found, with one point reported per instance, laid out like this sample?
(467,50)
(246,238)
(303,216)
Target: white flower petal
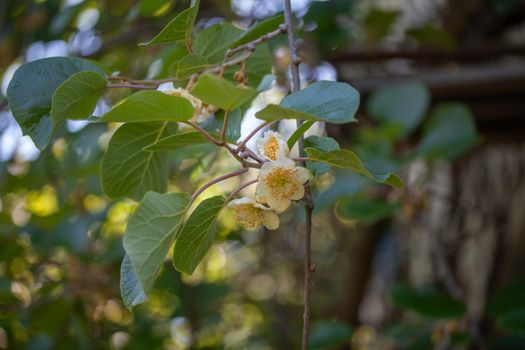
(298,194)
(303,174)
(279,205)
(271,220)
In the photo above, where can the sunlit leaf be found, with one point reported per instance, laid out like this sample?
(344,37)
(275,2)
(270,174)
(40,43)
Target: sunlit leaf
(129,171)
(299,132)
(197,235)
(150,233)
(174,142)
(180,28)
(221,93)
(189,65)
(31,90)
(213,42)
(322,101)
(348,160)
(150,106)
(77,97)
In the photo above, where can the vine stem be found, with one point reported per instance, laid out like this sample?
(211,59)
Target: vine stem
(308,268)
(217,180)
(243,143)
(240,188)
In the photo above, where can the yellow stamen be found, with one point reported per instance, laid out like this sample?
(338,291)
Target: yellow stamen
(282,182)
(271,148)
(248,215)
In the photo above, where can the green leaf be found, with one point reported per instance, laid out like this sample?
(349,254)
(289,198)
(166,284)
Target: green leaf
(427,302)
(189,65)
(367,211)
(230,97)
(513,321)
(77,97)
(174,142)
(257,66)
(180,28)
(31,89)
(429,35)
(327,101)
(329,335)
(449,132)
(258,30)
(299,132)
(130,287)
(325,144)
(213,42)
(150,106)
(402,106)
(510,297)
(169,58)
(129,171)
(151,231)
(197,235)
(349,160)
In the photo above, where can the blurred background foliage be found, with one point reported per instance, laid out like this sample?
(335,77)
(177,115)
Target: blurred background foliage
(437,265)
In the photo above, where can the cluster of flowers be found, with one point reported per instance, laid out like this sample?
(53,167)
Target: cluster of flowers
(280,181)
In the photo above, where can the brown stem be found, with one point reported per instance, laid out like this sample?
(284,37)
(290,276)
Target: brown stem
(217,180)
(203,132)
(132,86)
(240,188)
(308,269)
(250,46)
(243,143)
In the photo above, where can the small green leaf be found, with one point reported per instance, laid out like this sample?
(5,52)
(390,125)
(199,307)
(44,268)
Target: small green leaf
(130,287)
(77,97)
(349,160)
(180,28)
(377,24)
(189,65)
(325,144)
(258,30)
(197,235)
(31,90)
(129,171)
(299,132)
(449,132)
(329,335)
(174,142)
(150,233)
(427,302)
(402,106)
(327,101)
(513,321)
(367,211)
(150,106)
(230,97)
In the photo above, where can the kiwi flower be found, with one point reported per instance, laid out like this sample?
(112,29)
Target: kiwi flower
(251,214)
(202,111)
(280,182)
(272,146)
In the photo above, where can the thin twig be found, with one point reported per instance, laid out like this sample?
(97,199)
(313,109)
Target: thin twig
(243,143)
(250,46)
(308,269)
(240,188)
(203,132)
(131,86)
(217,180)
(224,127)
